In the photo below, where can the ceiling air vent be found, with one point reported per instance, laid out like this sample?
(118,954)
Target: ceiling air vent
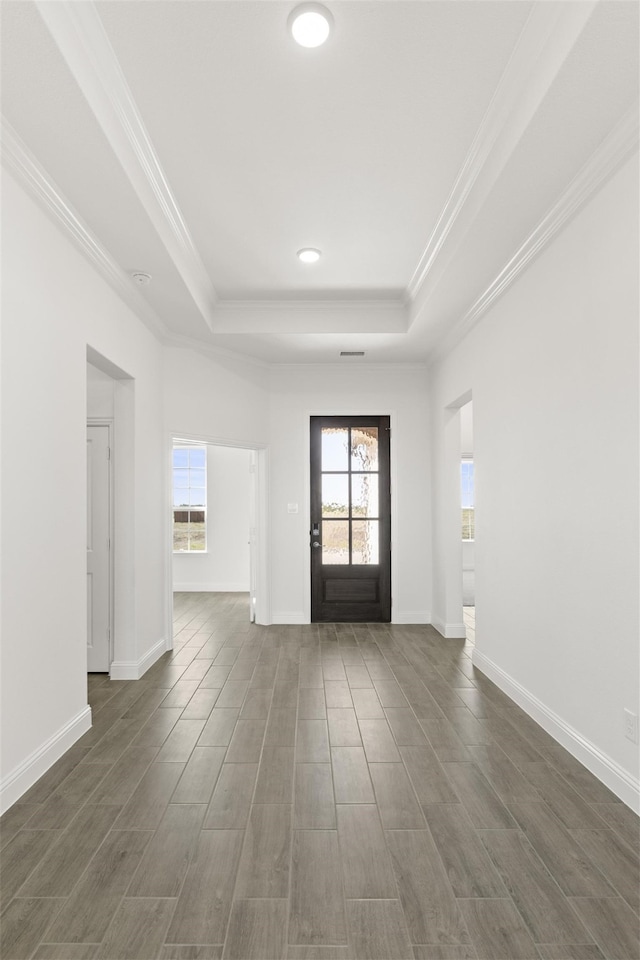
(352,353)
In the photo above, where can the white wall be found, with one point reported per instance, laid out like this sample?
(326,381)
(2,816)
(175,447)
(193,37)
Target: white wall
(217,398)
(47,326)
(468,554)
(466,429)
(226,399)
(296,394)
(100,394)
(225,564)
(553,372)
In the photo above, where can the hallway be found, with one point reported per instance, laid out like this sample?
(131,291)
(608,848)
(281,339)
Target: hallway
(315,792)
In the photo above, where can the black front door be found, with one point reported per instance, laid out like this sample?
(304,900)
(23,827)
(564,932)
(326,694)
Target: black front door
(350,520)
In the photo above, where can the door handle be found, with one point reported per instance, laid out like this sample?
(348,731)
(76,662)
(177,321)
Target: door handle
(315,544)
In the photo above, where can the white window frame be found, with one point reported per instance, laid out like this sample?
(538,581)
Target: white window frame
(188,551)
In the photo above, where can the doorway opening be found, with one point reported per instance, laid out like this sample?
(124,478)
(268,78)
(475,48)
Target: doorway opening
(216,516)
(111,402)
(100,417)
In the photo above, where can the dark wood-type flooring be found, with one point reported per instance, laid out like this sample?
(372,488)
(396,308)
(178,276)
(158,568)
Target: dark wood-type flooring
(319,792)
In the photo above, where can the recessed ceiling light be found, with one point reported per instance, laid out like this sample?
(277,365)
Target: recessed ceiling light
(310,24)
(308,255)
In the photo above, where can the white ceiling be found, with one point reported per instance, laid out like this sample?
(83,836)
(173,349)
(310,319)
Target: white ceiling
(429,149)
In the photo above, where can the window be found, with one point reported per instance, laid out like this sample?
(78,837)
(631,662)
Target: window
(189,499)
(467,499)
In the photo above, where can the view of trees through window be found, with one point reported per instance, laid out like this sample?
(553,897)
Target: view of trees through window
(467,499)
(189,498)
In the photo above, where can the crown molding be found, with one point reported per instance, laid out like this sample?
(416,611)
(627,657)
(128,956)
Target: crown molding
(83,43)
(231,316)
(607,158)
(603,163)
(18,160)
(548,36)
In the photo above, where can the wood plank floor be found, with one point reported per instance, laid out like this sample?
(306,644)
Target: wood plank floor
(323,792)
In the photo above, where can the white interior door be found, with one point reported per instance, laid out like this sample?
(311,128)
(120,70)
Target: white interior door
(98,548)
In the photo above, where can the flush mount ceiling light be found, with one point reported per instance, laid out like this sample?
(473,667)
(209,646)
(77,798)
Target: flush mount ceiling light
(308,255)
(310,24)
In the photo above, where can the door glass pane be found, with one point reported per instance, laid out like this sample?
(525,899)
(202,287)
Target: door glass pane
(364,495)
(365,541)
(335,541)
(335,443)
(335,495)
(180,457)
(364,448)
(181,478)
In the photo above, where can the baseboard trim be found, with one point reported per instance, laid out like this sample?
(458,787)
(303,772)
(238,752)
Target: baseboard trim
(210,588)
(25,775)
(450,631)
(411,616)
(619,780)
(135,669)
(288,617)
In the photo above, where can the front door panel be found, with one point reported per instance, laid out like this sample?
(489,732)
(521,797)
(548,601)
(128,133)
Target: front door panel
(350,519)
